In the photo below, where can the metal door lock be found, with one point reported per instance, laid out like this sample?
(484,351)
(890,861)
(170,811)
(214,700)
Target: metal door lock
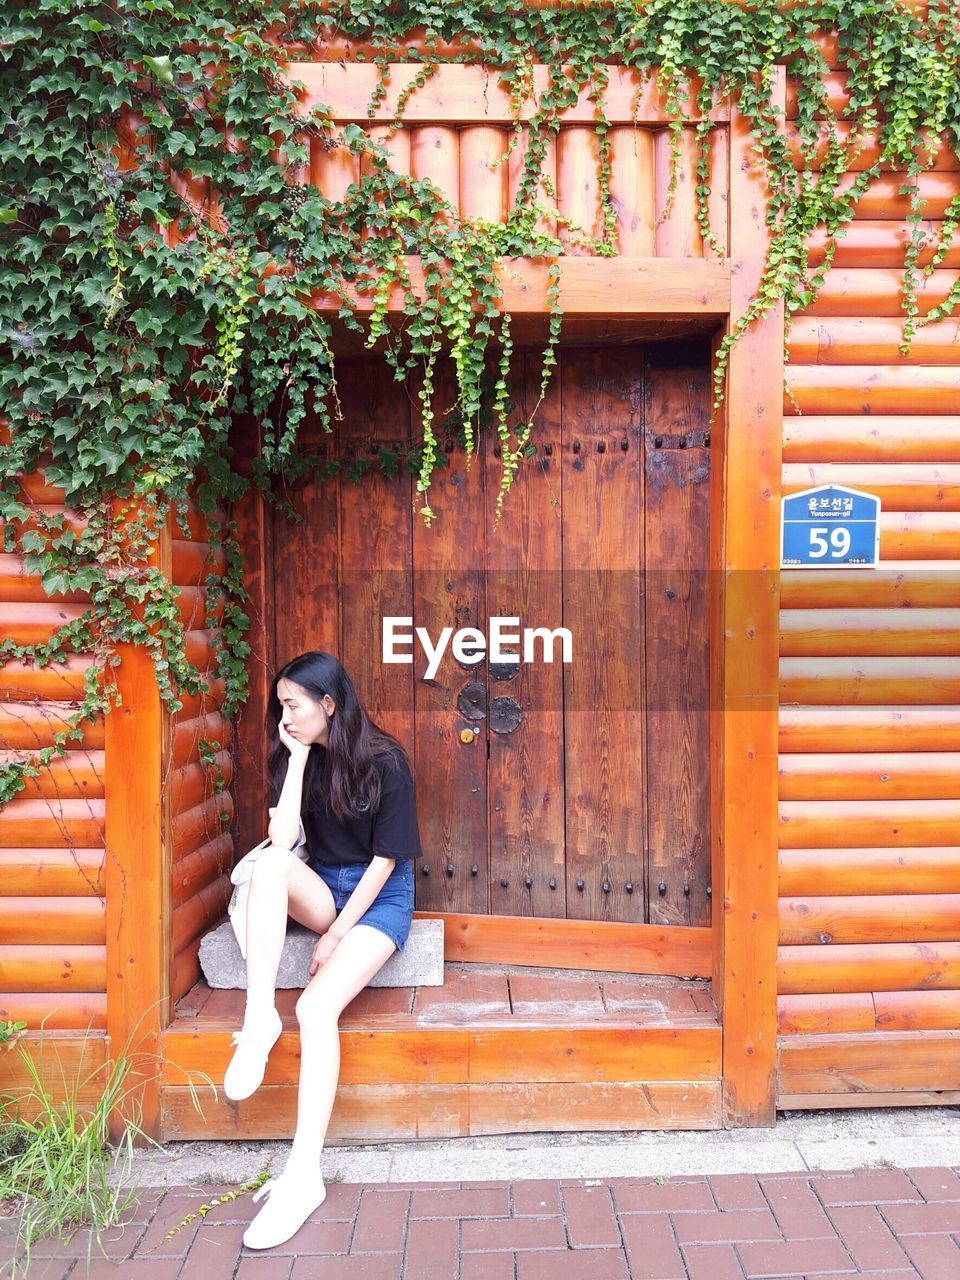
(467,736)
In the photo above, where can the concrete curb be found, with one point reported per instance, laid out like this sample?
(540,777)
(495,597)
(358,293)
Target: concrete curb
(820,1140)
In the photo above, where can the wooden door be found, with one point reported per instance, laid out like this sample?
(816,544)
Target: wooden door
(544,789)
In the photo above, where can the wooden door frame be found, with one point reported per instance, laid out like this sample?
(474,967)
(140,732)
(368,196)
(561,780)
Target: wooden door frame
(137,876)
(745,706)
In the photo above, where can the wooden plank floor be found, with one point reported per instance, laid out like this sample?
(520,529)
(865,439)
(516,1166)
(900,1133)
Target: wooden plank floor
(494,1050)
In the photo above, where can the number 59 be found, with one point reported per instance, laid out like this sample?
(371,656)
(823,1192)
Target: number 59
(838,544)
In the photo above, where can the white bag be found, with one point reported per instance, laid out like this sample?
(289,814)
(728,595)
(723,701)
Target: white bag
(240,878)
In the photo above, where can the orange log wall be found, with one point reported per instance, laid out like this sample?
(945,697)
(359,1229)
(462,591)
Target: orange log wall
(52,911)
(869,924)
(197,795)
(52,895)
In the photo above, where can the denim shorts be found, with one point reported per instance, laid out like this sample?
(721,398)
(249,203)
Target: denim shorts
(391,910)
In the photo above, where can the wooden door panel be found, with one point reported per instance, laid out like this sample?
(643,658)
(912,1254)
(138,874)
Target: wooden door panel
(375,543)
(307,556)
(602,551)
(448,561)
(254,538)
(525,768)
(677,535)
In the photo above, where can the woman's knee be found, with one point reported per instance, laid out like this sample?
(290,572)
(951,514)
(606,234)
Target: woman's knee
(316,1008)
(273,864)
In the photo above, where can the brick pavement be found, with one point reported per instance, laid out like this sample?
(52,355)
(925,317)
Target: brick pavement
(876,1224)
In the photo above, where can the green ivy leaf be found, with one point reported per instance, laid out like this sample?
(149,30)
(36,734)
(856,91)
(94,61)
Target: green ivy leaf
(161,68)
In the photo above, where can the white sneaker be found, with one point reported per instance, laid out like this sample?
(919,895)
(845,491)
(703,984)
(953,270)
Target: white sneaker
(252,1048)
(291,1200)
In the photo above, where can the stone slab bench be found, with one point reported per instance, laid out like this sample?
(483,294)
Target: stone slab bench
(419,964)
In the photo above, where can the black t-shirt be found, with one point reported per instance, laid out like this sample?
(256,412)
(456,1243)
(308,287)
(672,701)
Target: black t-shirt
(390,831)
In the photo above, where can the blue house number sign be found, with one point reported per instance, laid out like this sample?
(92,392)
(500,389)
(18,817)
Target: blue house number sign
(830,527)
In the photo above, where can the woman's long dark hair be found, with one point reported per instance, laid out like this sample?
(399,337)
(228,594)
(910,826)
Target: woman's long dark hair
(344,778)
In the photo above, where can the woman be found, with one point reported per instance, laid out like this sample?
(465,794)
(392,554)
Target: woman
(349,783)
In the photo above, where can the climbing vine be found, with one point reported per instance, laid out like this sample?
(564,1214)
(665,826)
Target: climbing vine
(161,250)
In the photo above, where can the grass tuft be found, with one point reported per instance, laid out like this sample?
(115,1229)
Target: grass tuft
(59,1170)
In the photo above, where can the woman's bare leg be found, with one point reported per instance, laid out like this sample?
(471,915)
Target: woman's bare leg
(282,885)
(300,1190)
(360,954)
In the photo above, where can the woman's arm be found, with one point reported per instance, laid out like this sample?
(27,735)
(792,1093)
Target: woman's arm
(284,826)
(370,884)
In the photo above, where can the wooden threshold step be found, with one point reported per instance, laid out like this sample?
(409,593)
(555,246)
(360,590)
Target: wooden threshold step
(391,1051)
(407,1112)
(400,1080)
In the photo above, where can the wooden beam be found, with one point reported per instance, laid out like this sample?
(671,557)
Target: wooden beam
(68,1011)
(923,584)
(69,1065)
(56,872)
(922,869)
(876,728)
(854,824)
(31,725)
(808,920)
(879,242)
(394,1051)
(843,681)
(832,1011)
(747,811)
(900,486)
(575,944)
(918,535)
(869,775)
(869,632)
(874,966)
(40,967)
(864,1101)
(137,877)
(870,1062)
(649,287)
(33,823)
(877,291)
(49,921)
(842,341)
(459,94)
(78,775)
(837,1012)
